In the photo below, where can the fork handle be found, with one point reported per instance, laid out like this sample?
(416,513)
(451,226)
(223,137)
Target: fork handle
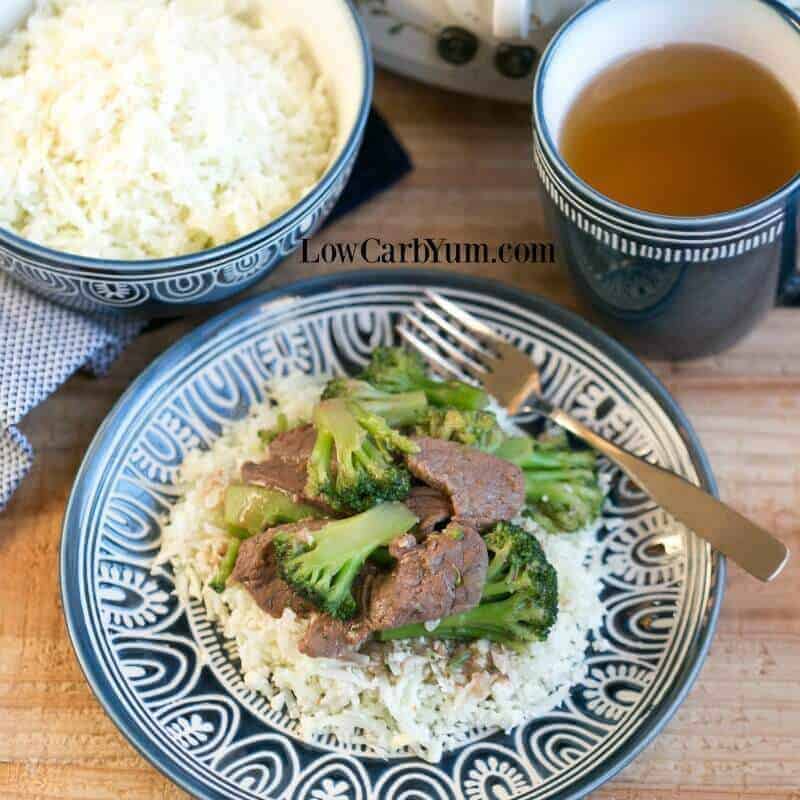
(751,547)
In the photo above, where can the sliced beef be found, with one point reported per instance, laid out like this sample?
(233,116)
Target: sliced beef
(327,637)
(482,488)
(471,558)
(276,474)
(257,570)
(294,446)
(430,506)
(402,545)
(286,467)
(442,576)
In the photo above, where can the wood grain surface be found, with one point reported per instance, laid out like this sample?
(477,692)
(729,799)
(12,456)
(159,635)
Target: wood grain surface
(737,736)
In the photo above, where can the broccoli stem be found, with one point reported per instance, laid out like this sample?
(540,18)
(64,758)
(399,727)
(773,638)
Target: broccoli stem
(256,508)
(319,463)
(528,455)
(454,394)
(399,410)
(239,533)
(358,536)
(514,448)
(489,621)
(281,426)
(226,566)
(561,489)
(572,459)
(335,416)
(566,479)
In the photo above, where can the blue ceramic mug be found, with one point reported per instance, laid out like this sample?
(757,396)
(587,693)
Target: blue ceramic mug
(672,287)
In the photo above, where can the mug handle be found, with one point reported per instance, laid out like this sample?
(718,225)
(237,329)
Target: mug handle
(789,282)
(790,291)
(512,18)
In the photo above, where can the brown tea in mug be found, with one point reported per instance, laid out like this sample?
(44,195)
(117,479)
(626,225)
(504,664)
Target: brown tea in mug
(684,130)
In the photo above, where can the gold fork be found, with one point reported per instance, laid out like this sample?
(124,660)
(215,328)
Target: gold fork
(458,343)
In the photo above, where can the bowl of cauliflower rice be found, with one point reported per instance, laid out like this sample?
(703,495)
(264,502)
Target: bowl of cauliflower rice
(162,154)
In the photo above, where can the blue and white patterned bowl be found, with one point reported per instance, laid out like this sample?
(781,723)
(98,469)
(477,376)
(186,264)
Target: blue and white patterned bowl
(335,34)
(170,680)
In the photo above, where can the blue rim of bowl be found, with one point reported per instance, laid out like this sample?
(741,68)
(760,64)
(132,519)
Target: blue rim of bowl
(658,717)
(662,221)
(229,249)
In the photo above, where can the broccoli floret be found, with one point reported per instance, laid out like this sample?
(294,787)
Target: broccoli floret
(518,563)
(563,501)
(473,428)
(399,410)
(395,370)
(323,565)
(561,484)
(352,465)
(519,602)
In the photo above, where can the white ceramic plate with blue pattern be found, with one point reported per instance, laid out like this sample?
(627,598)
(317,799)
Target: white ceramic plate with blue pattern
(164,673)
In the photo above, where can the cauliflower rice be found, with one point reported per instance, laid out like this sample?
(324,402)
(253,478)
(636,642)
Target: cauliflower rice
(136,129)
(422,697)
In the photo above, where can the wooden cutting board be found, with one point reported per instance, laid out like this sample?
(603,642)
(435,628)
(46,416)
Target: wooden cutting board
(737,737)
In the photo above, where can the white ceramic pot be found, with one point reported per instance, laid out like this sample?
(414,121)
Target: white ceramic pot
(485,47)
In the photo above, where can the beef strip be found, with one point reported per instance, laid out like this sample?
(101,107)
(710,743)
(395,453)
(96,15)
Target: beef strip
(327,637)
(442,576)
(257,570)
(277,474)
(286,466)
(483,489)
(430,506)
(294,446)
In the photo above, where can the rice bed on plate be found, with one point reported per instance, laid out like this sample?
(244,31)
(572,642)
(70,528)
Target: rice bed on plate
(421,697)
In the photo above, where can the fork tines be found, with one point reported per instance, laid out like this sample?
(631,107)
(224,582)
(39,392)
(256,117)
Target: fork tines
(441,341)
